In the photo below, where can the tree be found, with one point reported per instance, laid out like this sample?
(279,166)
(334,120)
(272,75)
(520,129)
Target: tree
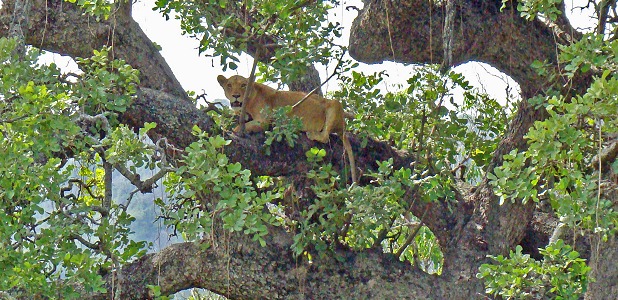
(253,234)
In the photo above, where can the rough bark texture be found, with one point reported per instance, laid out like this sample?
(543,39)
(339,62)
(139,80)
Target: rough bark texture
(411,32)
(239,268)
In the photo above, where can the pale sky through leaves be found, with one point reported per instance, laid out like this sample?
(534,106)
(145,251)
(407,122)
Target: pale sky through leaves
(198,73)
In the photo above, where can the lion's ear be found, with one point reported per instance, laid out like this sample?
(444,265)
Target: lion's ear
(222,80)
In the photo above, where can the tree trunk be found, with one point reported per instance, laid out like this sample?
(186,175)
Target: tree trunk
(239,268)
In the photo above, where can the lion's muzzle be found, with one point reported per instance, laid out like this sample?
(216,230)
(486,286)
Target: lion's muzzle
(236,104)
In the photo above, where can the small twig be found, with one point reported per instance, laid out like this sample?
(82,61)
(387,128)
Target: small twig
(212,106)
(323,83)
(125,206)
(94,246)
(383,234)
(411,236)
(64,78)
(15,119)
(408,240)
(248,90)
(144,186)
(201,96)
(100,209)
(82,185)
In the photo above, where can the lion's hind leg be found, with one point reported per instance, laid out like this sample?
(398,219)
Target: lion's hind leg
(333,122)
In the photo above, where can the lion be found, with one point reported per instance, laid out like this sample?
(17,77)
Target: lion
(320,116)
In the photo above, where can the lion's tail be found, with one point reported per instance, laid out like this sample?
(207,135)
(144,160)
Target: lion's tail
(348,150)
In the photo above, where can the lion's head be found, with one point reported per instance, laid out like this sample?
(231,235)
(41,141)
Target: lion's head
(234,88)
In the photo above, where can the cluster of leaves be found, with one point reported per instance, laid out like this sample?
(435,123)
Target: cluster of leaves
(294,34)
(208,188)
(322,221)
(283,127)
(531,9)
(225,119)
(97,8)
(108,84)
(54,227)
(560,161)
(562,274)
(425,116)
(562,164)
(123,146)
(364,217)
(380,215)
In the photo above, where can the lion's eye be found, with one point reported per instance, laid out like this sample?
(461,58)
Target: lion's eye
(244,85)
(229,85)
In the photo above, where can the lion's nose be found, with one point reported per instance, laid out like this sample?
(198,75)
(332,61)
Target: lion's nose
(236,96)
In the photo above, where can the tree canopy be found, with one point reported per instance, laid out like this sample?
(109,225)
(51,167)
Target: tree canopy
(460,197)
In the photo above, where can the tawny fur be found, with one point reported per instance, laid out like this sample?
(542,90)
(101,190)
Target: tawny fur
(320,116)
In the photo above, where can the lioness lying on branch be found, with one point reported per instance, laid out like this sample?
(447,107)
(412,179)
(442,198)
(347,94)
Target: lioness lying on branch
(320,116)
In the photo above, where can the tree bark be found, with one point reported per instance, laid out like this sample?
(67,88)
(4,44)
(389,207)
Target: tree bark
(239,268)
(411,32)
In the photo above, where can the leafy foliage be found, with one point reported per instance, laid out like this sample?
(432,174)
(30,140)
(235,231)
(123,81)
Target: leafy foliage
(283,127)
(59,225)
(362,217)
(294,34)
(562,274)
(424,116)
(562,166)
(531,9)
(97,8)
(562,149)
(56,219)
(108,84)
(208,188)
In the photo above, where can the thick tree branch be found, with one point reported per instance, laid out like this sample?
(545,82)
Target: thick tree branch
(482,33)
(62,27)
(164,109)
(175,117)
(241,269)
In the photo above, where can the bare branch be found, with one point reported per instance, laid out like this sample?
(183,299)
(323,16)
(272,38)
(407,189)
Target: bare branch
(145,186)
(250,81)
(94,246)
(317,88)
(211,106)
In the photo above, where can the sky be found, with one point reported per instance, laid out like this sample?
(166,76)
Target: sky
(198,73)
